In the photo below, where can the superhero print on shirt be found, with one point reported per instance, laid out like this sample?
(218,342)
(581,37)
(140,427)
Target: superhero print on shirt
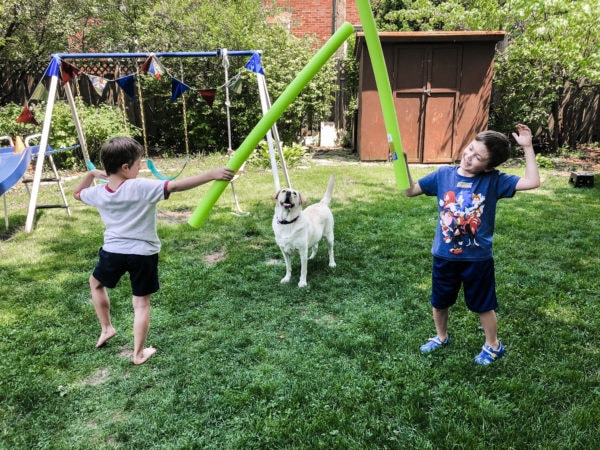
(460,218)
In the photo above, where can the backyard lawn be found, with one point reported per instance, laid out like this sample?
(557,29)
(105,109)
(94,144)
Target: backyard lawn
(245,362)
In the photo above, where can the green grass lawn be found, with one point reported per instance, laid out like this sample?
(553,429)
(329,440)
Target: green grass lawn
(244,362)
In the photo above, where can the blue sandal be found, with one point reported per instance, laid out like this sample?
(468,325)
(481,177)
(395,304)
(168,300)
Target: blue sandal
(434,343)
(488,355)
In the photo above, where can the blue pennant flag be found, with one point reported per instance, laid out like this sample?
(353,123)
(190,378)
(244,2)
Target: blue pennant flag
(254,64)
(177,89)
(127,83)
(53,69)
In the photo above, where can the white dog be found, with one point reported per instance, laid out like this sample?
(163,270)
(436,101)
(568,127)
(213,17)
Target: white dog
(298,230)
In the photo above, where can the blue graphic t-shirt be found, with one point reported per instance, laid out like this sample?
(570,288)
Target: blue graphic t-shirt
(467,211)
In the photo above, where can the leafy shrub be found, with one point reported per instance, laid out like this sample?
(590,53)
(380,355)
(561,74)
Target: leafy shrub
(293,154)
(99,124)
(544,162)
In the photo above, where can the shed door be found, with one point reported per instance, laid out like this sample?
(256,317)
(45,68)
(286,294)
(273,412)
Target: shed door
(426,82)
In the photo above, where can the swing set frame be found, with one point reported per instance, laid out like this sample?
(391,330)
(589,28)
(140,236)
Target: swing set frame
(53,71)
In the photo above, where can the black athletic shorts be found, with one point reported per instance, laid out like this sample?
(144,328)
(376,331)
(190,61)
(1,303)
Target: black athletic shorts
(142,269)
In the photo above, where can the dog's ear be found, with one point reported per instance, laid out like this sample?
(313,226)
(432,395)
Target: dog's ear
(276,195)
(302,199)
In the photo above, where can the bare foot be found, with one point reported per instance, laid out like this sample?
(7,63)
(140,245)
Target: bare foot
(146,353)
(105,336)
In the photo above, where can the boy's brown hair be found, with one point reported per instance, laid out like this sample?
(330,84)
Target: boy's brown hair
(118,151)
(498,147)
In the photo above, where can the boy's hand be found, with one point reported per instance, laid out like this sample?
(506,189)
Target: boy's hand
(99,173)
(523,136)
(223,174)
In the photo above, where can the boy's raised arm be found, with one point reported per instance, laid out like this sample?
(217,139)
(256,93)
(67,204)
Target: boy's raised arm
(87,180)
(524,138)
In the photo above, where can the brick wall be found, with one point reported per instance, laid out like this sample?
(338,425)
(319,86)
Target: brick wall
(315,17)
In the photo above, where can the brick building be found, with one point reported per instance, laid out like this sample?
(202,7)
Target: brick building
(319,18)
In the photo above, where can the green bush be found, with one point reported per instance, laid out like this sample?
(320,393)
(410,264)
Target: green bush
(293,155)
(8,122)
(99,123)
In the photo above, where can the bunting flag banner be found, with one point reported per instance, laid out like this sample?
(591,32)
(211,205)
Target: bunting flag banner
(26,116)
(68,71)
(40,92)
(127,83)
(208,95)
(153,67)
(235,84)
(254,64)
(98,83)
(177,89)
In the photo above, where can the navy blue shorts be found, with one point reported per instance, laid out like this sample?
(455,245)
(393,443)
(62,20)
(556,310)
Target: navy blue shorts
(143,271)
(477,278)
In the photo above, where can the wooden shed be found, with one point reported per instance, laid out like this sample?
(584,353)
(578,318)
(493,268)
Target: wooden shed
(441,84)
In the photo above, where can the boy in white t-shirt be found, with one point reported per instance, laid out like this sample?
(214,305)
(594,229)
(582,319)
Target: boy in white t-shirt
(127,206)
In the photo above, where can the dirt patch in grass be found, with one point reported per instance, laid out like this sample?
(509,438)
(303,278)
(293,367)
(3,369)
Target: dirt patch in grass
(585,159)
(174,216)
(215,257)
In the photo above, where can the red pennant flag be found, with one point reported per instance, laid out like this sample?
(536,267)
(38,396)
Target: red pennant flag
(26,116)
(146,66)
(208,95)
(68,71)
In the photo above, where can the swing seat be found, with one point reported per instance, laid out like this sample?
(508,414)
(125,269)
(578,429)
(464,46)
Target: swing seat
(159,175)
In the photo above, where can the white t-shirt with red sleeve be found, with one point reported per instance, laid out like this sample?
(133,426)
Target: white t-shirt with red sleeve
(129,214)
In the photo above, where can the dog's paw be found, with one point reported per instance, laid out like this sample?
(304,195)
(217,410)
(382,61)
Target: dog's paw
(332,264)
(301,284)
(285,280)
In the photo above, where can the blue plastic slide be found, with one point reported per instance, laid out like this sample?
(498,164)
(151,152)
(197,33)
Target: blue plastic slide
(12,167)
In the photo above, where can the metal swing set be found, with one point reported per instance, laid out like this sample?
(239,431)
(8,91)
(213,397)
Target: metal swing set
(53,71)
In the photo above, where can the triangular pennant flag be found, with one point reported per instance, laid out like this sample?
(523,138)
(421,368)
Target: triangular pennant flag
(208,95)
(68,71)
(156,68)
(146,66)
(53,69)
(26,116)
(177,89)
(235,84)
(40,92)
(254,64)
(98,83)
(127,83)
(153,67)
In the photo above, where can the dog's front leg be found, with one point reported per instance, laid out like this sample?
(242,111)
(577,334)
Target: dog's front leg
(288,267)
(303,266)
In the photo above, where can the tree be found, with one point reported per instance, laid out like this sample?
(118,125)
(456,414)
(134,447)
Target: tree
(553,55)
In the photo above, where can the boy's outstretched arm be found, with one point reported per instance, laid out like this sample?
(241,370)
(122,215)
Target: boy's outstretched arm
(531,180)
(413,189)
(222,173)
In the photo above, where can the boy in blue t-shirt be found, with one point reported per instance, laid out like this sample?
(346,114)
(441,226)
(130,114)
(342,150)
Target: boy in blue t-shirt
(462,246)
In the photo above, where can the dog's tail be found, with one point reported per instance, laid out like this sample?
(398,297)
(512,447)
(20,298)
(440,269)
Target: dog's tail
(327,197)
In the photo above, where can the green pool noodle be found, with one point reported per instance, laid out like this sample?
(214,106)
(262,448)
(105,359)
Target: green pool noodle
(268,120)
(385,92)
